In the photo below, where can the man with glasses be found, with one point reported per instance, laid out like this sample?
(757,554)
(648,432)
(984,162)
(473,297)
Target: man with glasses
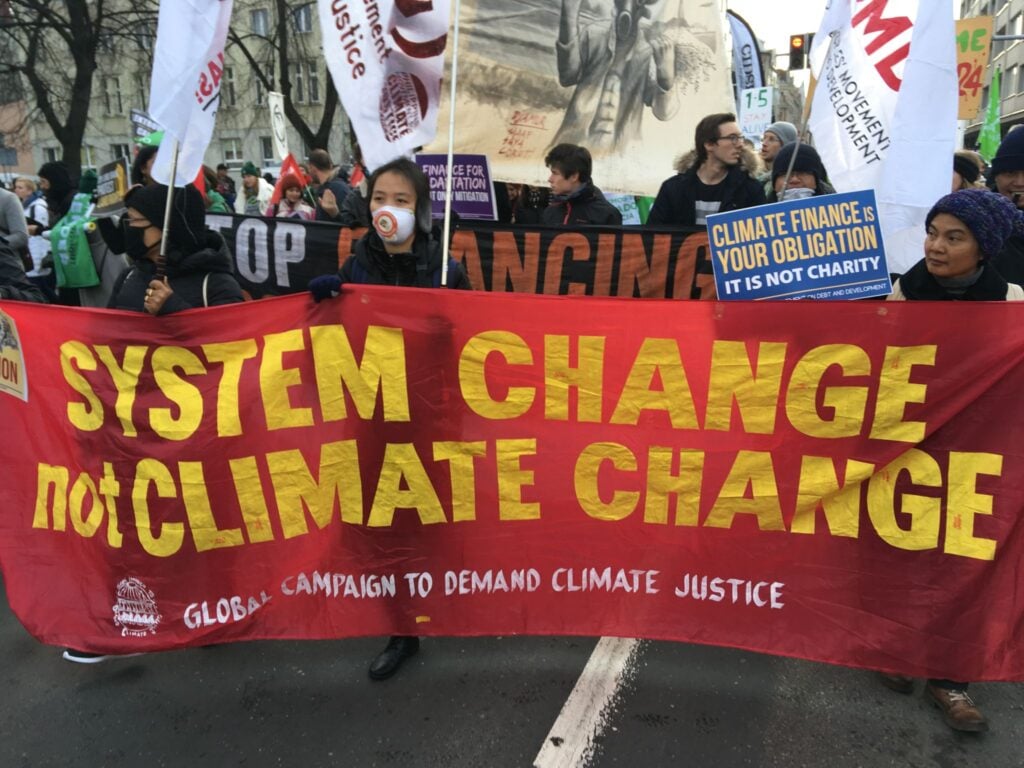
(716,176)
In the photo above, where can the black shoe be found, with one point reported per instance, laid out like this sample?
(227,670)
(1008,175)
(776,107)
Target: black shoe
(390,659)
(898,683)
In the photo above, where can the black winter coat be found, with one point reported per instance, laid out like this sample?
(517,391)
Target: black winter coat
(13,283)
(588,206)
(919,285)
(1009,262)
(186,275)
(341,191)
(371,264)
(676,203)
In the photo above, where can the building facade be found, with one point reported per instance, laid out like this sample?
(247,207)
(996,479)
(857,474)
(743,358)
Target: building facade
(122,80)
(1007,56)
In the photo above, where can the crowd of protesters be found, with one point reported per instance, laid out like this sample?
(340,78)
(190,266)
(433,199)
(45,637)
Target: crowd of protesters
(973,248)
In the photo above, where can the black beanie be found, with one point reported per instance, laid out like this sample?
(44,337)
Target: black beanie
(58,176)
(187,232)
(967,168)
(807,161)
(1010,155)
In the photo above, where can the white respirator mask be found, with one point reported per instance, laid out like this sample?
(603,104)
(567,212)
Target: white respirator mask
(797,193)
(394,225)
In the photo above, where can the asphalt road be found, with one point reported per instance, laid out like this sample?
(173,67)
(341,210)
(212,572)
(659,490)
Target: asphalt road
(470,702)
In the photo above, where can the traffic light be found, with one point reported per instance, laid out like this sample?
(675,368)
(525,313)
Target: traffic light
(797,51)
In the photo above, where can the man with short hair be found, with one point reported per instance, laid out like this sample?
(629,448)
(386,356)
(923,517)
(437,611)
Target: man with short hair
(331,190)
(712,178)
(574,198)
(775,137)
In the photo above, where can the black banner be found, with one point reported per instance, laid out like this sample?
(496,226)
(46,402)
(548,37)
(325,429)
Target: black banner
(278,256)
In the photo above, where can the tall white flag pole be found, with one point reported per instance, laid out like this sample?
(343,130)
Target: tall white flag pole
(451,148)
(161,264)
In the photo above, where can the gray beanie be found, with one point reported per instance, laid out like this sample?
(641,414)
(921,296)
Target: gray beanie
(785,131)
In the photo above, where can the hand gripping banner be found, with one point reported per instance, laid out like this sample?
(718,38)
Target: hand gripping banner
(838,483)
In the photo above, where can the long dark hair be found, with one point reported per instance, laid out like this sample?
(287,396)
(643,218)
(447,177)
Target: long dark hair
(143,156)
(420,185)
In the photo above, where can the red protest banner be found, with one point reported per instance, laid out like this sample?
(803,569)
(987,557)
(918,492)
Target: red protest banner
(835,483)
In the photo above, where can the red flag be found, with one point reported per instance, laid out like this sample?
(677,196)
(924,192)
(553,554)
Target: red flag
(289,167)
(200,183)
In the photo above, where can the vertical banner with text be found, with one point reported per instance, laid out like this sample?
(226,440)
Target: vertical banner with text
(386,58)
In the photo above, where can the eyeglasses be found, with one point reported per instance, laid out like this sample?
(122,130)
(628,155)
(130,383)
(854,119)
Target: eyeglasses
(736,138)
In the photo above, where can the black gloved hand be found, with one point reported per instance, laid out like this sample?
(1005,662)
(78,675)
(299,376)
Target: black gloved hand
(325,287)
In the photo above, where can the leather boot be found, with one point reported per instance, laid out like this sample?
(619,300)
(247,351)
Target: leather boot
(960,712)
(898,683)
(390,659)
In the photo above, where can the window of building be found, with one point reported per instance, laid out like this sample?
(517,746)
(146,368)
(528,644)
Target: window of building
(303,18)
(267,150)
(105,41)
(232,151)
(313,80)
(1011,84)
(51,154)
(261,91)
(112,96)
(227,88)
(1017,24)
(259,20)
(117,151)
(141,91)
(298,82)
(88,156)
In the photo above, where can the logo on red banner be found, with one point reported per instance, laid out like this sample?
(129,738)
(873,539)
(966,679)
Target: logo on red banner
(135,610)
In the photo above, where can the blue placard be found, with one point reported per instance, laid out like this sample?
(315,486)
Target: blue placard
(826,247)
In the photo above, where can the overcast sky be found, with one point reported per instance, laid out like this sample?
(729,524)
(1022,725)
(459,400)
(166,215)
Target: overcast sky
(775,20)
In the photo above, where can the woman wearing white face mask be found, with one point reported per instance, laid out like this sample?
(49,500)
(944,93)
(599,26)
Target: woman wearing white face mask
(807,179)
(400,248)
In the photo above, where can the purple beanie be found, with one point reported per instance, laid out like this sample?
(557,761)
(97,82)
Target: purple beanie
(991,218)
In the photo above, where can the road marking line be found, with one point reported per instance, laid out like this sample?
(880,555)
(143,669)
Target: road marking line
(585,714)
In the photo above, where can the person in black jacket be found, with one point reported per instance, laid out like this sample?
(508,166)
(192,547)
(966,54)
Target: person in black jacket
(331,189)
(14,285)
(198,266)
(58,191)
(965,230)
(401,249)
(574,198)
(713,178)
(808,177)
(1007,178)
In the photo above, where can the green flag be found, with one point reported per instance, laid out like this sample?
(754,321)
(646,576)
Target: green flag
(989,138)
(151,139)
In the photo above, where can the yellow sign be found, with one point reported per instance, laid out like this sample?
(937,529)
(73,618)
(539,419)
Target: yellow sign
(973,45)
(13,379)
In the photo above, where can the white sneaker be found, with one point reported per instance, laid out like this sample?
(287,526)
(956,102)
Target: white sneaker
(84,657)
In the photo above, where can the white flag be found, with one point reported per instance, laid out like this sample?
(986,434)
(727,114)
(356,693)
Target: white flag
(184,94)
(387,60)
(278,123)
(884,110)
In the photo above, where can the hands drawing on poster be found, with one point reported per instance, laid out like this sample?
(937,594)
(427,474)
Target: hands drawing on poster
(629,60)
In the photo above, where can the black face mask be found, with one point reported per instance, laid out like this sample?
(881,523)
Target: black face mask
(134,243)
